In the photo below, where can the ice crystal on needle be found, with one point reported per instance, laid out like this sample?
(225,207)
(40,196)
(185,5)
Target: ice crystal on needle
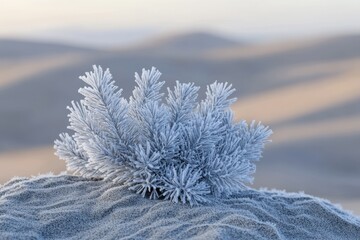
(178,149)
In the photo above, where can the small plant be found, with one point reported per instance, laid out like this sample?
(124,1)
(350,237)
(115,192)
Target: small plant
(176,149)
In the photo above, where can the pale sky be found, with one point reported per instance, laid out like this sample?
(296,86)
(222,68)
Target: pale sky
(252,18)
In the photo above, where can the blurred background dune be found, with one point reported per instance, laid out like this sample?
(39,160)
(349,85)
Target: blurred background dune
(295,65)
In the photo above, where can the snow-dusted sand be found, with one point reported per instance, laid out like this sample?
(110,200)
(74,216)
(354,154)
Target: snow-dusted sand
(69,207)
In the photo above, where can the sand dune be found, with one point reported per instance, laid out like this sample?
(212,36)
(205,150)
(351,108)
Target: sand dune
(334,67)
(180,44)
(13,49)
(291,102)
(239,52)
(266,94)
(327,48)
(66,206)
(29,162)
(17,70)
(317,130)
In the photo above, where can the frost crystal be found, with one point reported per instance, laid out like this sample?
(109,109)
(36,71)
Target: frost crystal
(176,149)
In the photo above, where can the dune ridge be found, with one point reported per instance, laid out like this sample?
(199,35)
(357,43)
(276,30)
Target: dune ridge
(269,106)
(15,71)
(182,43)
(71,207)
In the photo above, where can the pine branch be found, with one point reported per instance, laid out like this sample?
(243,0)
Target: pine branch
(181,150)
(67,149)
(108,107)
(182,101)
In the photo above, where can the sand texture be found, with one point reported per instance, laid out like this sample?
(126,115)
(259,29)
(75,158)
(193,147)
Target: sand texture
(70,207)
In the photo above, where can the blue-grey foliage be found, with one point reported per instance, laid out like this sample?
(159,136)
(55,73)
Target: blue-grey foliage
(173,148)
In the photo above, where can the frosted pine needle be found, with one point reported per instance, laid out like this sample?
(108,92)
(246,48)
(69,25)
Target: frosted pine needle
(178,149)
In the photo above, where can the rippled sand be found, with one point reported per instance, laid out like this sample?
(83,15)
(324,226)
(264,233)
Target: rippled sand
(59,207)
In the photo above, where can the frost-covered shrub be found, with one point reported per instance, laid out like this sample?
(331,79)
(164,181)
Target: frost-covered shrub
(176,149)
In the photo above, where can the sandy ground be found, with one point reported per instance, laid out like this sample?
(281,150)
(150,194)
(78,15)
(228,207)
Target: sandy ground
(67,206)
(33,162)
